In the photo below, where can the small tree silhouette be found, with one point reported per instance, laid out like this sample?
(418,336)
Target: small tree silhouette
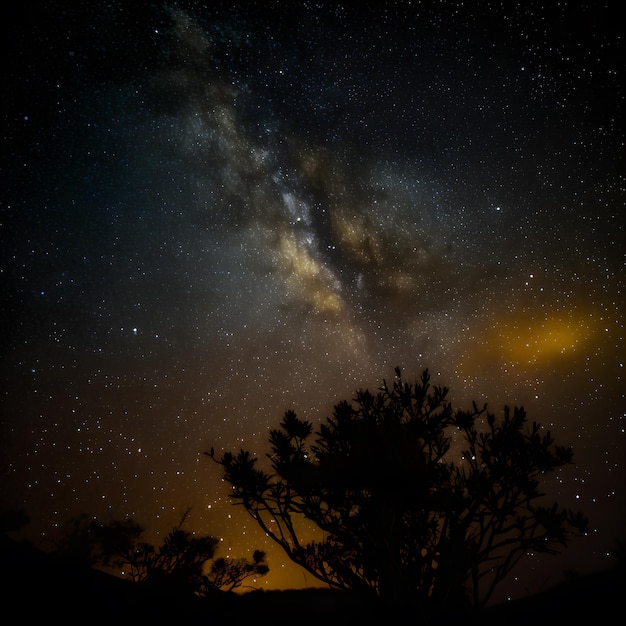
(183,563)
(177,563)
(228,574)
(405,513)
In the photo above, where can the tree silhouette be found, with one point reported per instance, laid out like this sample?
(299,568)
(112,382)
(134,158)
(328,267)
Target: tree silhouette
(177,563)
(183,563)
(228,574)
(407,512)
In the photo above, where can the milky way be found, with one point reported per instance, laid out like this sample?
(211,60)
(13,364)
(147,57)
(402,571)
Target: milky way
(212,214)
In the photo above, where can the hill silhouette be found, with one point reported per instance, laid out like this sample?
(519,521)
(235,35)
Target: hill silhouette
(40,586)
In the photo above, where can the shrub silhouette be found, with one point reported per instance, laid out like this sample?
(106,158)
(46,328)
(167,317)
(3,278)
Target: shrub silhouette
(407,513)
(183,563)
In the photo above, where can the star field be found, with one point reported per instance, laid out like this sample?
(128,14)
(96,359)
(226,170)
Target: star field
(212,213)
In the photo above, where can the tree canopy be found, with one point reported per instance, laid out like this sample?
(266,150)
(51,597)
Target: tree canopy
(184,562)
(417,503)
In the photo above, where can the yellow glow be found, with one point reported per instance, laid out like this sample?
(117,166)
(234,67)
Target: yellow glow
(542,340)
(308,278)
(298,259)
(358,238)
(327,301)
(532,338)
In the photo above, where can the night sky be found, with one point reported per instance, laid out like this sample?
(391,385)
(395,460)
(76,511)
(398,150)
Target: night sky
(215,212)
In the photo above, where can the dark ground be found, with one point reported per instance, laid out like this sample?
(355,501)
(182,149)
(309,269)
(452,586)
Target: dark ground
(37,586)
